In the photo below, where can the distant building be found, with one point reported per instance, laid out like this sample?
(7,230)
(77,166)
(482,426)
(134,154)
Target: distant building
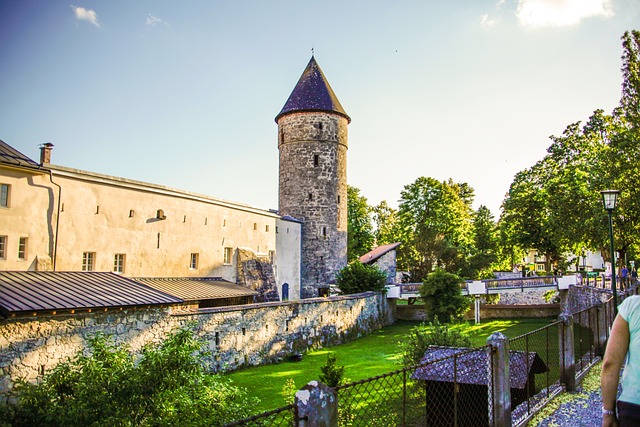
(384,257)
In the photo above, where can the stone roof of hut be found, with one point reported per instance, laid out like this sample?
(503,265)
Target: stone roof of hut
(470,366)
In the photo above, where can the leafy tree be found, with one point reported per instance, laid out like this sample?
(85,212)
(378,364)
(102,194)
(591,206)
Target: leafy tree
(435,219)
(168,386)
(360,235)
(555,206)
(331,373)
(387,228)
(358,277)
(442,295)
(485,244)
(416,343)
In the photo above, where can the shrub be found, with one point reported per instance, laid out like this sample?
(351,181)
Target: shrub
(289,390)
(331,373)
(442,295)
(358,277)
(421,337)
(167,386)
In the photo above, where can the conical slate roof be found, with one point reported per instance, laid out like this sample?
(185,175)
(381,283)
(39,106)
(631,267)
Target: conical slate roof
(312,93)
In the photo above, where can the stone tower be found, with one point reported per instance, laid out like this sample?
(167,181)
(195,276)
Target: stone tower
(312,141)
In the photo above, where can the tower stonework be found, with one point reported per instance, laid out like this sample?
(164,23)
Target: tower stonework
(313,142)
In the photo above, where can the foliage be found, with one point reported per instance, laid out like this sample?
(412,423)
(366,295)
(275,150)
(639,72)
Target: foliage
(387,227)
(331,374)
(435,219)
(551,296)
(289,390)
(442,295)
(360,237)
(419,339)
(491,299)
(555,206)
(167,386)
(358,277)
(483,254)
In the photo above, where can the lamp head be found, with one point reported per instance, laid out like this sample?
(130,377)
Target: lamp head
(610,199)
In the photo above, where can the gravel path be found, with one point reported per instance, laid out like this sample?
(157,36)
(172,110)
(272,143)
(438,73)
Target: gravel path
(582,411)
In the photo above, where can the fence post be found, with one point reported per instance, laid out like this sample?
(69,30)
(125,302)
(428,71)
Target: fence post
(498,381)
(601,339)
(316,406)
(567,352)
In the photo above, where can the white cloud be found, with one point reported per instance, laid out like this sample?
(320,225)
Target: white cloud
(86,15)
(560,13)
(153,20)
(487,22)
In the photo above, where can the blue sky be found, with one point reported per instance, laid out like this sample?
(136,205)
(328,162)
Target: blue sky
(184,94)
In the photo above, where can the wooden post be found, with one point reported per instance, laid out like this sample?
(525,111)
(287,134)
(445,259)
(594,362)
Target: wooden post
(498,381)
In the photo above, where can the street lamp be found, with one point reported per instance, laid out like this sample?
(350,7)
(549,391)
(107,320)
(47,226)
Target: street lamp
(609,200)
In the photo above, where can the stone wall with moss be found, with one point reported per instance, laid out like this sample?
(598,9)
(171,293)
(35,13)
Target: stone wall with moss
(234,336)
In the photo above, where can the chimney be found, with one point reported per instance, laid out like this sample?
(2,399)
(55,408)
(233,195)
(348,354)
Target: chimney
(45,153)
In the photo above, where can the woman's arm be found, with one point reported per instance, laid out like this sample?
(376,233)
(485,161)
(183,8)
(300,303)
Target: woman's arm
(613,360)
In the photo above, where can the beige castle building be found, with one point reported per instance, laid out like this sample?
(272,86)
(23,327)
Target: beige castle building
(54,218)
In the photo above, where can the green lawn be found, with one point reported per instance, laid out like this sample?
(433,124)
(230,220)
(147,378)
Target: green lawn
(366,357)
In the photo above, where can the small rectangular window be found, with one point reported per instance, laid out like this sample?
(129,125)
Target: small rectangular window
(228,253)
(131,213)
(193,265)
(4,195)
(3,247)
(316,160)
(88,261)
(272,257)
(118,263)
(22,248)
(266,228)
(255,225)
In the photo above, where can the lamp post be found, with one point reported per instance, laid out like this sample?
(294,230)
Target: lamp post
(609,200)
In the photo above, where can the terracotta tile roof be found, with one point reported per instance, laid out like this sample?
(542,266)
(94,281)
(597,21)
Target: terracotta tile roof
(32,291)
(197,288)
(312,93)
(12,157)
(377,253)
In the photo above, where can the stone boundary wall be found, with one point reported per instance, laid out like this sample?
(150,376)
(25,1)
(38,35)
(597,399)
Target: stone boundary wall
(580,298)
(532,296)
(494,311)
(241,335)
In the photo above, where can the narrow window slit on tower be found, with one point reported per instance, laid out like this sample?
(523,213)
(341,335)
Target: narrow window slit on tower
(316,160)
(131,213)
(310,196)
(97,209)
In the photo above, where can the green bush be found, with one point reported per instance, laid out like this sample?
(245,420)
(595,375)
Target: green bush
(168,386)
(331,373)
(358,277)
(419,339)
(442,295)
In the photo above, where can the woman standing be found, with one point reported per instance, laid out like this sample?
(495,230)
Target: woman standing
(624,344)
